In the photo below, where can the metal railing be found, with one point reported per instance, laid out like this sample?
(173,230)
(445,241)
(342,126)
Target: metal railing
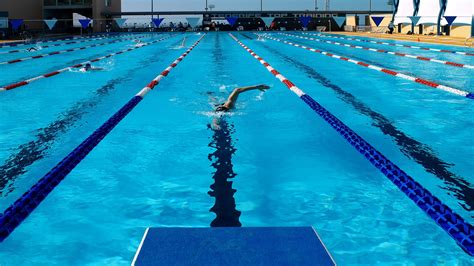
(50,3)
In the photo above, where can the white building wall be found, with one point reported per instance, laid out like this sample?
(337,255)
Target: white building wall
(429,12)
(405,10)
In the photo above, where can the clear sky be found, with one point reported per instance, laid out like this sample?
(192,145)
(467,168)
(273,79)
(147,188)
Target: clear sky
(181,5)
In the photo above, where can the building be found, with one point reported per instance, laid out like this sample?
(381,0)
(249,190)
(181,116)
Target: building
(34,11)
(430,17)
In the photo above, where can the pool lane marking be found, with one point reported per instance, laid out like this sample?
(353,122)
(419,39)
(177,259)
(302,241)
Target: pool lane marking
(14,61)
(139,249)
(380,69)
(7,45)
(24,43)
(68,43)
(422,58)
(57,72)
(461,231)
(16,213)
(393,44)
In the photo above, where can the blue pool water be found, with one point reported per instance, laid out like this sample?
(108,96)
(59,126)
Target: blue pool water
(159,166)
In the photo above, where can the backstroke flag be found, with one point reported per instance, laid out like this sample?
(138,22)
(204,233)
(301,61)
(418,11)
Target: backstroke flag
(50,23)
(120,21)
(414,19)
(377,20)
(231,20)
(85,23)
(450,19)
(339,21)
(193,22)
(157,21)
(267,20)
(16,23)
(305,21)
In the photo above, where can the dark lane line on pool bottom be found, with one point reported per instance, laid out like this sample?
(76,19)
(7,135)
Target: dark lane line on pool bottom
(35,150)
(413,149)
(224,207)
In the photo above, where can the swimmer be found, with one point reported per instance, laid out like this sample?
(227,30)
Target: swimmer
(232,99)
(32,49)
(139,43)
(184,42)
(88,67)
(230,103)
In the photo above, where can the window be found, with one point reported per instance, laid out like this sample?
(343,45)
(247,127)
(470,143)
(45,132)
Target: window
(108,2)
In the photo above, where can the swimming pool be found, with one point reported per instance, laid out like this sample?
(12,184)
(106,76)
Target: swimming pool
(273,163)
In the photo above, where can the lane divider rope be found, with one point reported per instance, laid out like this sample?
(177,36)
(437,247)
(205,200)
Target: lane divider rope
(461,231)
(393,44)
(57,72)
(18,44)
(16,213)
(380,69)
(422,58)
(71,42)
(14,61)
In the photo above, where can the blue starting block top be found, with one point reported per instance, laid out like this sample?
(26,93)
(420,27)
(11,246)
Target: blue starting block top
(232,246)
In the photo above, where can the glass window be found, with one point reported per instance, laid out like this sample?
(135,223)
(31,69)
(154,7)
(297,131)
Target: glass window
(64,2)
(49,2)
(77,2)
(108,2)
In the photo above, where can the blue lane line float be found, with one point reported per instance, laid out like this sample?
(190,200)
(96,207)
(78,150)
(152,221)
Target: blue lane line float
(27,203)
(461,231)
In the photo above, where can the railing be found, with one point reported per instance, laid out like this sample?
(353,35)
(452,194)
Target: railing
(49,3)
(349,28)
(363,28)
(321,28)
(469,42)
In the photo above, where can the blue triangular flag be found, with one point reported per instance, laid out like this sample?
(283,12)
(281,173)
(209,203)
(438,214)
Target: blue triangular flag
(339,21)
(232,20)
(16,23)
(450,19)
(85,23)
(50,23)
(267,20)
(157,21)
(377,20)
(120,21)
(193,22)
(305,21)
(415,19)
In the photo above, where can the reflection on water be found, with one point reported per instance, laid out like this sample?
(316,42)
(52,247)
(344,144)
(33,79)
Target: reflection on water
(224,206)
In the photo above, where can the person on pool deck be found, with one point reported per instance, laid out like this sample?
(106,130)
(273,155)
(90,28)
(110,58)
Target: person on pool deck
(232,99)
(88,67)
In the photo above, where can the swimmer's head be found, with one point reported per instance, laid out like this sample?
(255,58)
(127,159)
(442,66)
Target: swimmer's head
(88,66)
(222,108)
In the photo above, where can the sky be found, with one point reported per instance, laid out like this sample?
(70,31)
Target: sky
(186,5)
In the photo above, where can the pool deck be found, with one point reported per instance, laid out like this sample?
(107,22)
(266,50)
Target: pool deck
(433,39)
(9,41)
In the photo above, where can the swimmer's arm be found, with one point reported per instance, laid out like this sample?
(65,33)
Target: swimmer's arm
(235,94)
(249,88)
